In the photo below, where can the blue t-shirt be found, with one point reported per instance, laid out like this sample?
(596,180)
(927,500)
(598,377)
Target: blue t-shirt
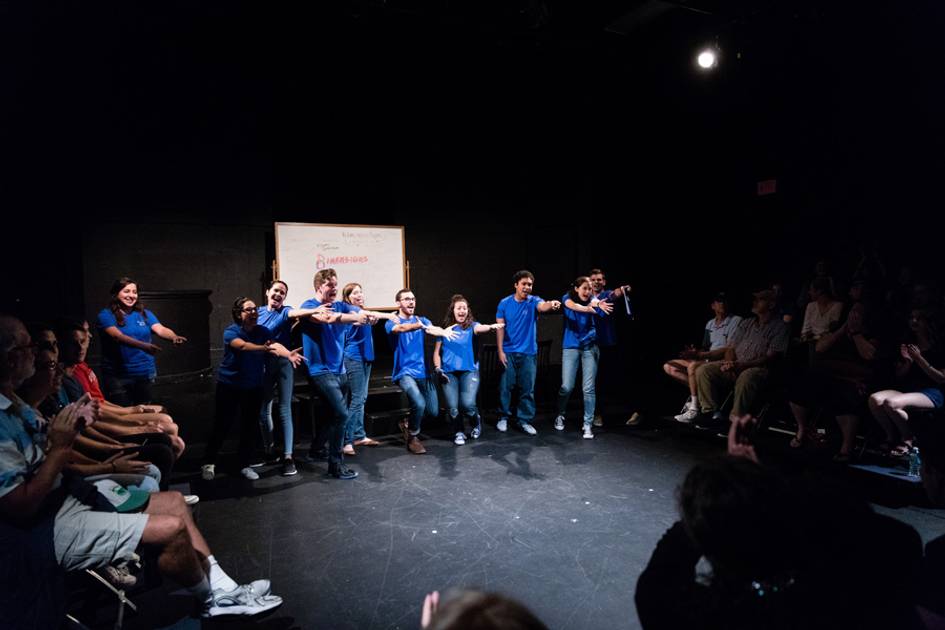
(459,355)
(243,368)
(408,349)
(324,344)
(520,318)
(606,326)
(278,323)
(119,359)
(359,342)
(580,330)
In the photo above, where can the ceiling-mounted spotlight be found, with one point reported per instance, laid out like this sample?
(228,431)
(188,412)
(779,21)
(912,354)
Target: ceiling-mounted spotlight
(708,58)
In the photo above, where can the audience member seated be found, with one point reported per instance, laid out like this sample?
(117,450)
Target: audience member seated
(55,520)
(125,468)
(118,421)
(782,553)
(843,372)
(754,346)
(930,434)
(822,311)
(475,610)
(919,379)
(821,271)
(716,337)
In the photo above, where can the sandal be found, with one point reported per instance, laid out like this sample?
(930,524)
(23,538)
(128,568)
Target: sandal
(809,439)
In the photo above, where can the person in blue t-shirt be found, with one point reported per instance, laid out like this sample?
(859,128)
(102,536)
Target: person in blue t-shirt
(609,364)
(458,368)
(323,341)
(279,375)
(359,358)
(518,347)
(582,312)
(410,372)
(239,384)
(127,352)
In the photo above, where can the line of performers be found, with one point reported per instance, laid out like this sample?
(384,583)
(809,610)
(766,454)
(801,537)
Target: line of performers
(337,353)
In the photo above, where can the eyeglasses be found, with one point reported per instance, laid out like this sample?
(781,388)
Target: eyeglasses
(250,310)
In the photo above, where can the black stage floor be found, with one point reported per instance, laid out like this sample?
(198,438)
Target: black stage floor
(563,524)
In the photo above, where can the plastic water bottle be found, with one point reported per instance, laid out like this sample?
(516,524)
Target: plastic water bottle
(915,462)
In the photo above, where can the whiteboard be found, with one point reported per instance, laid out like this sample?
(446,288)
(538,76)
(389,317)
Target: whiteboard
(374,256)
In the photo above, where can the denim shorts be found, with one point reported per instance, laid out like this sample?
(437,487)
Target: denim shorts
(935,395)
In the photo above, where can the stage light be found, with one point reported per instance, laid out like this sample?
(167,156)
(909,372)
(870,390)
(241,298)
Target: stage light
(707,59)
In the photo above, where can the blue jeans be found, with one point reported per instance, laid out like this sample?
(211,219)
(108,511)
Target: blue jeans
(519,371)
(589,358)
(423,400)
(279,376)
(333,390)
(359,374)
(460,394)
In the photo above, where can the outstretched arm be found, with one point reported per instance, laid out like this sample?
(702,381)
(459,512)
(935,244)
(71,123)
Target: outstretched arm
(166,333)
(484,328)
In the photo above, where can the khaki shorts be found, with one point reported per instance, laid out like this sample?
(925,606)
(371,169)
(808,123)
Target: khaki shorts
(85,538)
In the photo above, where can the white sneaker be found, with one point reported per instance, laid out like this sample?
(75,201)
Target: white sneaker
(687,416)
(503,425)
(529,429)
(559,423)
(249,473)
(598,421)
(243,600)
(191,499)
(476,432)
(459,440)
(207,472)
(588,434)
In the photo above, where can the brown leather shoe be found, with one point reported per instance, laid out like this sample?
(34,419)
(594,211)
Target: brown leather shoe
(366,442)
(415,446)
(405,430)
(348,450)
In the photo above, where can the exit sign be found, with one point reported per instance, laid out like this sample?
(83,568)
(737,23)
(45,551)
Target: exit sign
(767,187)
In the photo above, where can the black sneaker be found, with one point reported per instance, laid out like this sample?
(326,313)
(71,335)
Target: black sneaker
(288,467)
(711,422)
(340,471)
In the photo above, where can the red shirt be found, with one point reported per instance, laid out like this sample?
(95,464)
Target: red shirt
(87,379)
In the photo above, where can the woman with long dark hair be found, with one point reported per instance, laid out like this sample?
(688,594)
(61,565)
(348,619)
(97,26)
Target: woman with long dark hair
(458,368)
(279,374)
(127,351)
(580,345)
(239,384)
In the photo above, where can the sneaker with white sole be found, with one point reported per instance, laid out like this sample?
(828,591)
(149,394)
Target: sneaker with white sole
(207,472)
(559,423)
(502,426)
(687,416)
(191,499)
(460,439)
(476,430)
(529,429)
(588,434)
(249,473)
(598,421)
(243,600)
